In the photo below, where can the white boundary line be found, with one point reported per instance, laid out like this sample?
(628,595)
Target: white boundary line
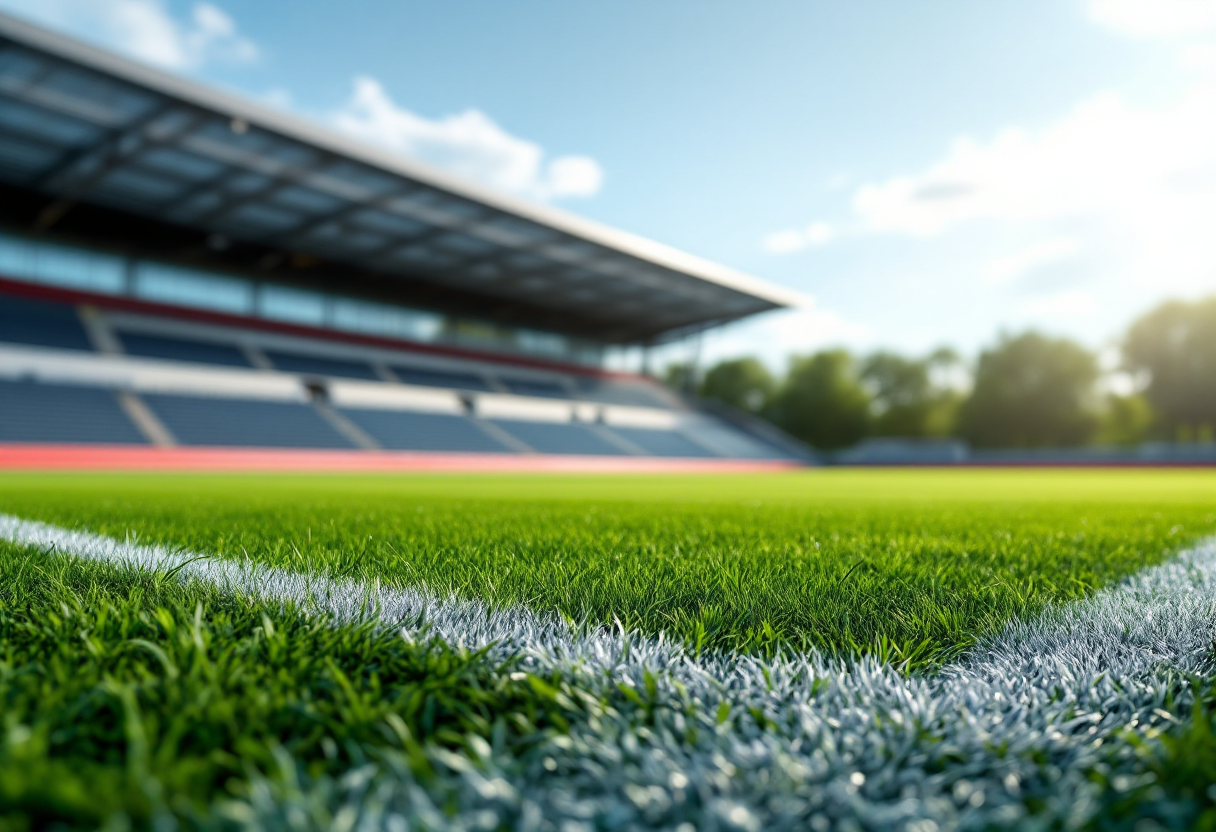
(1030,712)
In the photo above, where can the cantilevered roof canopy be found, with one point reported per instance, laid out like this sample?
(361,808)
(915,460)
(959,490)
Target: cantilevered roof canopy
(82,125)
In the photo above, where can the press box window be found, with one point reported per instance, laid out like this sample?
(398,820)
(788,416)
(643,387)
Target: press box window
(55,265)
(187,287)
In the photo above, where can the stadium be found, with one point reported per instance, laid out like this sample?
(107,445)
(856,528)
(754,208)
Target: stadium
(321,508)
(183,269)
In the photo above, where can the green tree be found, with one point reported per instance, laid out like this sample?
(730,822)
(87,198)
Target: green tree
(1175,347)
(822,401)
(1031,391)
(677,377)
(1126,420)
(909,397)
(744,383)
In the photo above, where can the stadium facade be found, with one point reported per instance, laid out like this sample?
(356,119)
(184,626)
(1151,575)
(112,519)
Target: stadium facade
(184,269)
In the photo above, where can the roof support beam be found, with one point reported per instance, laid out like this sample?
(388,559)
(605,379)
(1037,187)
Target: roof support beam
(292,235)
(74,174)
(542,267)
(290,176)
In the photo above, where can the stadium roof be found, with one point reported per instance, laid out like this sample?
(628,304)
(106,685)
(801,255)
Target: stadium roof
(84,125)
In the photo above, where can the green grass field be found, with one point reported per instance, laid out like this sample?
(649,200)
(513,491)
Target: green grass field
(912,564)
(129,696)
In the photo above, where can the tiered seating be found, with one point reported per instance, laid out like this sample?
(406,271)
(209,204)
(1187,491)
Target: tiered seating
(611,391)
(727,442)
(291,362)
(240,422)
(663,442)
(534,387)
(36,322)
(450,379)
(32,412)
(206,408)
(559,437)
(405,431)
(179,349)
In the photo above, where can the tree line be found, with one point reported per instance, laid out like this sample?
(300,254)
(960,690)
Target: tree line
(1026,390)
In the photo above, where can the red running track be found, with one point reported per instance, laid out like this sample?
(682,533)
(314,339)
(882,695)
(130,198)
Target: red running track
(144,458)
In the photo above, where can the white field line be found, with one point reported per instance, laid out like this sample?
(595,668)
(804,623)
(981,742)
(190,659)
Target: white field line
(1033,712)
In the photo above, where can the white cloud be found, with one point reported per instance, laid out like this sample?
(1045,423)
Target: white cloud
(1104,156)
(1141,181)
(1005,269)
(146,30)
(469,143)
(1198,56)
(574,176)
(787,242)
(1155,18)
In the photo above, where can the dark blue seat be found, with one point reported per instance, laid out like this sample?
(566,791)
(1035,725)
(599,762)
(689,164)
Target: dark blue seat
(728,441)
(291,362)
(439,378)
(663,442)
(244,423)
(41,323)
(532,387)
(404,431)
(611,391)
(559,437)
(33,412)
(180,349)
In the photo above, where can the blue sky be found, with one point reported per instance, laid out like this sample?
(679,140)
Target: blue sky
(926,172)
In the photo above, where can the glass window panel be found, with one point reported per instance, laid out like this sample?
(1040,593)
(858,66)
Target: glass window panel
(16,258)
(297,306)
(26,155)
(54,265)
(187,287)
(541,343)
(382,319)
(18,65)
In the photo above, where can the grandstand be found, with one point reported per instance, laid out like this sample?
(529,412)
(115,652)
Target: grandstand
(183,268)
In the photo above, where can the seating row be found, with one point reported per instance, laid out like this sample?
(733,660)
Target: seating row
(57,325)
(55,413)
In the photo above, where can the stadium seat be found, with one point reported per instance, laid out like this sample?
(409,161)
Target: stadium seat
(439,378)
(730,442)
(663,442)
(33,412)
(42,324)
(405,431)
(291,362)
(244,423)
(532,387)
(178,349)
(559,437)
(621,392)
